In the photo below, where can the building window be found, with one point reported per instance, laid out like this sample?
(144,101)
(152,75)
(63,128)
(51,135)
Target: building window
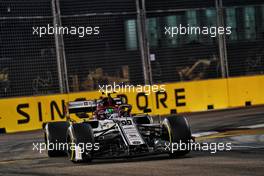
(231,22)
(249,23)
(152,29)
(192,22)
(172,21)
(210,16)
(262,21)
(131,34)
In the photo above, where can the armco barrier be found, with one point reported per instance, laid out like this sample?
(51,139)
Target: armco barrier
(28,113)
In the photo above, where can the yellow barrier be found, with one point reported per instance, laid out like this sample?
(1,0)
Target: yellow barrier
(192,97)
(245,89)
(29,113)
(22,114)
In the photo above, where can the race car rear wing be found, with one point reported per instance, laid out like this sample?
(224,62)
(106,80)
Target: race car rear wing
(87,106)
(82,106)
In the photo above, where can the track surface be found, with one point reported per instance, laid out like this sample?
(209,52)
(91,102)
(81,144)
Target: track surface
(246,157)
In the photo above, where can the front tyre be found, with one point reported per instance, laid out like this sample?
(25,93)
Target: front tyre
(55,137)
(80,139)
(176,132)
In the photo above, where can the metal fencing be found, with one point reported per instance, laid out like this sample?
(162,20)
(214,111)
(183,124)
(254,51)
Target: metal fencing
(61,46)
(27,63)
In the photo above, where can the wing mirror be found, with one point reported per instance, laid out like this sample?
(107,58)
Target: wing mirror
(147,110)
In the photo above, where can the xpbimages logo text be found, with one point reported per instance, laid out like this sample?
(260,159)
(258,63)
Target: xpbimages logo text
(60,146)
(80,31)
(212,31)
(131,88)
(211,147)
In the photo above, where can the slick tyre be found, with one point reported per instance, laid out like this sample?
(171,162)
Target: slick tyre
(55,138)
(79,136)
(176,131)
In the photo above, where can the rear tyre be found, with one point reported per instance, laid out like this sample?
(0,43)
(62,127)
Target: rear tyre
(176,131)
(55,138)
(80,139)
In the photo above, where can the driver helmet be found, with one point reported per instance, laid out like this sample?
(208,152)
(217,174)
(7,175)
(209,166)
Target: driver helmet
(109,112)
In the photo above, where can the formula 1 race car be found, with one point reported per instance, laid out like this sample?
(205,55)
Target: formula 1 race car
(113,131)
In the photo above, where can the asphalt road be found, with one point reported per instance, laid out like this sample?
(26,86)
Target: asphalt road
(243,128)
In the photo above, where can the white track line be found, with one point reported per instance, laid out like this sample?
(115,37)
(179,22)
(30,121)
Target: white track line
(204,133)
(253,126)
